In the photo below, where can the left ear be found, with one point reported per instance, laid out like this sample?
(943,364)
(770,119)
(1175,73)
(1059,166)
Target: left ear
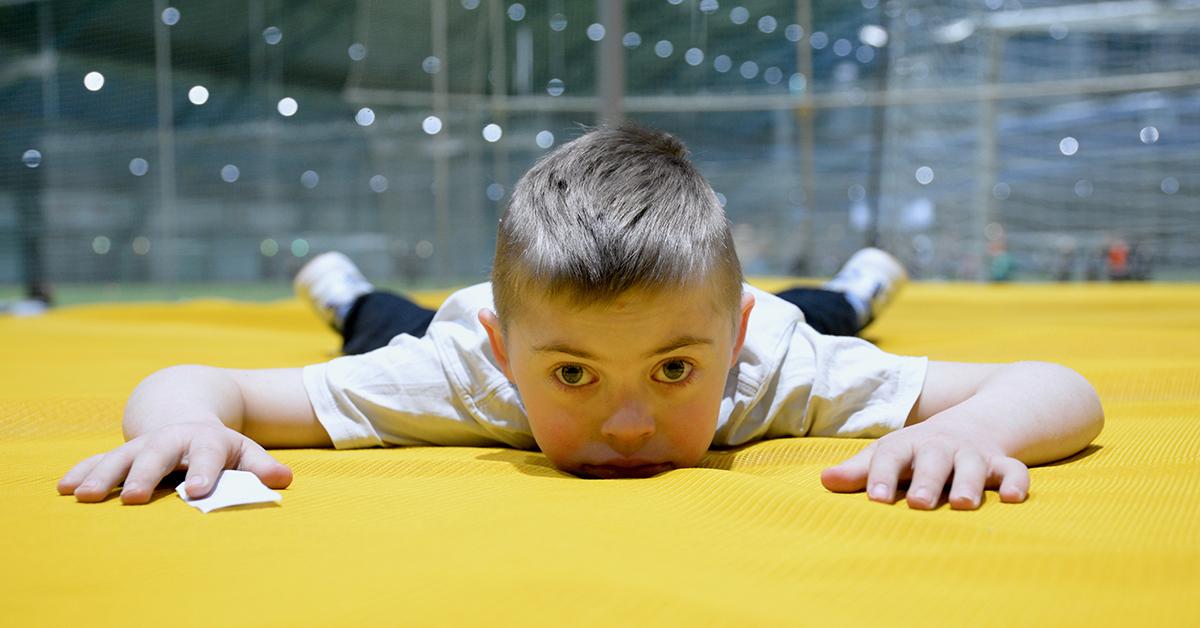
(491,323)
(747,305)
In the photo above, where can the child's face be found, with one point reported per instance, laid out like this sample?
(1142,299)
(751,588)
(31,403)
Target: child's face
(629,388)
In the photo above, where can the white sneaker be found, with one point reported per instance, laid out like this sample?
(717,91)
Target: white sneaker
(330,283)
(870,279)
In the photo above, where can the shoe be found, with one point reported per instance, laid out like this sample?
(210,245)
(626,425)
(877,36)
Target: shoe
(870,279)
(331,283)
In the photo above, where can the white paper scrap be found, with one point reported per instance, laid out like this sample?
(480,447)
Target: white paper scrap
(234,488)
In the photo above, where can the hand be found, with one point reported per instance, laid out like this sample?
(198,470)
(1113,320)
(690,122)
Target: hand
(204,449)
(929,453)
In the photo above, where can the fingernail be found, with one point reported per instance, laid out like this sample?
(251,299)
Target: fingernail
(196,480)
(879,491)
(921,495)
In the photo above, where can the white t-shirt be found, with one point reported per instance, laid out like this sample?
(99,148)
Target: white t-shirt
(446,389)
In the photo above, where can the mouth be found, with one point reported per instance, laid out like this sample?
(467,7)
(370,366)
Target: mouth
(622,471)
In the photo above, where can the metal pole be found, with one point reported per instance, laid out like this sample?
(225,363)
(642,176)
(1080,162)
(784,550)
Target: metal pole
(499,100)
(611,62)
(878,141)
(987,152)
(166,150)
(441,153)
(807,114)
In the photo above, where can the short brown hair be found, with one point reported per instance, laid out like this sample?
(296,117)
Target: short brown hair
(613,210)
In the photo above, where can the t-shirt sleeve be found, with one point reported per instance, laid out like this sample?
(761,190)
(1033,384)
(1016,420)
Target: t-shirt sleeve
(396,395)
(859,390)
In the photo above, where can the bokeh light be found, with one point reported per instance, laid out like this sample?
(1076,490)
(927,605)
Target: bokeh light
(287,107)
(32,158)
(1068,146)
(492,132)
(101,245)
(198,95)
(93,81)
(544,139)
(365,117)
(138,167)
(378,184)
(230,173)
(431,125)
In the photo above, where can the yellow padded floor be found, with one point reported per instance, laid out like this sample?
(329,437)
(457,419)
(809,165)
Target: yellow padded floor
(456,536)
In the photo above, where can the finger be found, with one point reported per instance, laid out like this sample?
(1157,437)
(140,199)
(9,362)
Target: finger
(107,473)
(930,471)
(970,474)
(75,476)
(851,474)
(886,466)
(148,469)
(1014,479)
(207,457)
(256,460)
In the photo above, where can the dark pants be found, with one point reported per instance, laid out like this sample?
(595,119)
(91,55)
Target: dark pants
(376,318)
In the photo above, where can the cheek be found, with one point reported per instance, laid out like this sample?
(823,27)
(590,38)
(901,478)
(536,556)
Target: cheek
(558,430)
(690,425)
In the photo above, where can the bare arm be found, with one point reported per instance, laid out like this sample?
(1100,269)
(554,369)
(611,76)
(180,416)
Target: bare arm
(977,425)
(202,419)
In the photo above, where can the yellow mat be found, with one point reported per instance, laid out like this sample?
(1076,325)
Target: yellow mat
(455,536)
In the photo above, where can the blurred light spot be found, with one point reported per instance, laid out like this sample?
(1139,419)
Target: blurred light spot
(663,48)
(268,247)
(364,117)
(32,158)
(772,75)
(1058,31)
(495,191)
(378,183)
(170,16)
(272,35)
(924,175)
(739,15)
(864,54)
(287,107)
(198,94)
(709,6)
(544,139)
(842,47)
(749,69)
(299,247)
(870,4)
(873,35)
(993,231)
(492,132)
(1148,135)
(818,40)
(1083,188)
(101,245)
(431,125)
(555,87)
(1169,185)
(1001,191)
(431,64)
(516,12)
(357,51)
(994,5)
(794,33)
(310,179)
(856,193)
(230,173)
(1068,146)
(595,32)
(141,245)
(767,24)
(721,200)
(424,249)
(722,63)
(470,5)
(694,56)
(631,40)
(138,166)
(676,2)
(797,82)
(93,81)
(558,22)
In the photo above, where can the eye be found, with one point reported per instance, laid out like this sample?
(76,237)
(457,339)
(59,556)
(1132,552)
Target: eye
(673,371)
(573,375)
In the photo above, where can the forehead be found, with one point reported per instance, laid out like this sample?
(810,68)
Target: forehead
(637,316)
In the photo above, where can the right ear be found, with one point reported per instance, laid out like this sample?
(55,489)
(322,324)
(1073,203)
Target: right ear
(491,323)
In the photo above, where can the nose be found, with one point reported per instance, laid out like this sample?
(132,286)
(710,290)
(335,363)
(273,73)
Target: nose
(627,429)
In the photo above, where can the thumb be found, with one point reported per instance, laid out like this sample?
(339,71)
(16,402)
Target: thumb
(256,460)
(851,475)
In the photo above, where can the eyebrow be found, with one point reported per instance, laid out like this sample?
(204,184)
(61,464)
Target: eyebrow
(678,342)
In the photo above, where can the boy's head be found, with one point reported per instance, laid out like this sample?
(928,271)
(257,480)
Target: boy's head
(619,304)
